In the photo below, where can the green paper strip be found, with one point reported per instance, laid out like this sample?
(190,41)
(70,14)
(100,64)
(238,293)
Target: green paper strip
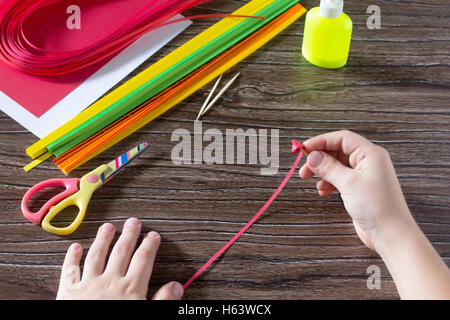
(167,78)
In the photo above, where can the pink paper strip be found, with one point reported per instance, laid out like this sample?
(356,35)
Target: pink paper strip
(296,148)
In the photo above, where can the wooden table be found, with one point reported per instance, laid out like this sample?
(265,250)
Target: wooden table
(394,90)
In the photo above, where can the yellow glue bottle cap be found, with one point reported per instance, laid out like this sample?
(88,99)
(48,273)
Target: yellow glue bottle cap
(327,35)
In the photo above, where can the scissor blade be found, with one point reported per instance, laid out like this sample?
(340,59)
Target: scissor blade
(121,162)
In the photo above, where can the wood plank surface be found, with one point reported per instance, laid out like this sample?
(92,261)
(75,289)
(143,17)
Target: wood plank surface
(394,91)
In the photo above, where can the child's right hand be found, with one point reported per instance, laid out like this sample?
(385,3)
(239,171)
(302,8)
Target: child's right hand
(364,175)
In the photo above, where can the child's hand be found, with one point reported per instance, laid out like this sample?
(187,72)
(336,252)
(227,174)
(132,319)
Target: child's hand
(365,177)
(125,276)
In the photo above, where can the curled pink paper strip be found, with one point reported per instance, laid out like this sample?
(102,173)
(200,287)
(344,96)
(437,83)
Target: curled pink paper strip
(296,148)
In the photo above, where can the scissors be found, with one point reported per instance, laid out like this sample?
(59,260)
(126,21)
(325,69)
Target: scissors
(78,193)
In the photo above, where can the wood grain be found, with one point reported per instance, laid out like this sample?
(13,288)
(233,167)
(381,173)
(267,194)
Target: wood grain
(394,90)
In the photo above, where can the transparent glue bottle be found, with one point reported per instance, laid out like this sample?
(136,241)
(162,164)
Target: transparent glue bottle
(327,35)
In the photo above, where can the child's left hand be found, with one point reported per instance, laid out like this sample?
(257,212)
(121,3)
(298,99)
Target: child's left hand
(125,276)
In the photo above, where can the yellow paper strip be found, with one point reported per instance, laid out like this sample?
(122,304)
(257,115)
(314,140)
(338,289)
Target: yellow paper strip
(38,161)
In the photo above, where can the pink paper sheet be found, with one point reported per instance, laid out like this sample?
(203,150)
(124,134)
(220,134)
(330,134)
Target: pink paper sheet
(48,29)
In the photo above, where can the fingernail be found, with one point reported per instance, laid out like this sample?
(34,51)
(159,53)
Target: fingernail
(107,227)
(133,222)
(75,247)
(177,290)
(315,158)
(152,234)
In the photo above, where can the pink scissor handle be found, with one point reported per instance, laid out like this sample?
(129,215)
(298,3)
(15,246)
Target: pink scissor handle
(71,186)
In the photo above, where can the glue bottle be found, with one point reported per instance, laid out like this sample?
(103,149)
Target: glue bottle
(327,35)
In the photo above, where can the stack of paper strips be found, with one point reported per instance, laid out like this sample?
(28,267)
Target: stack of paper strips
(165,83)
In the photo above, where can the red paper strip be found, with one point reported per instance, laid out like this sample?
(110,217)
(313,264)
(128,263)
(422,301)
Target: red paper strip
(296,148)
